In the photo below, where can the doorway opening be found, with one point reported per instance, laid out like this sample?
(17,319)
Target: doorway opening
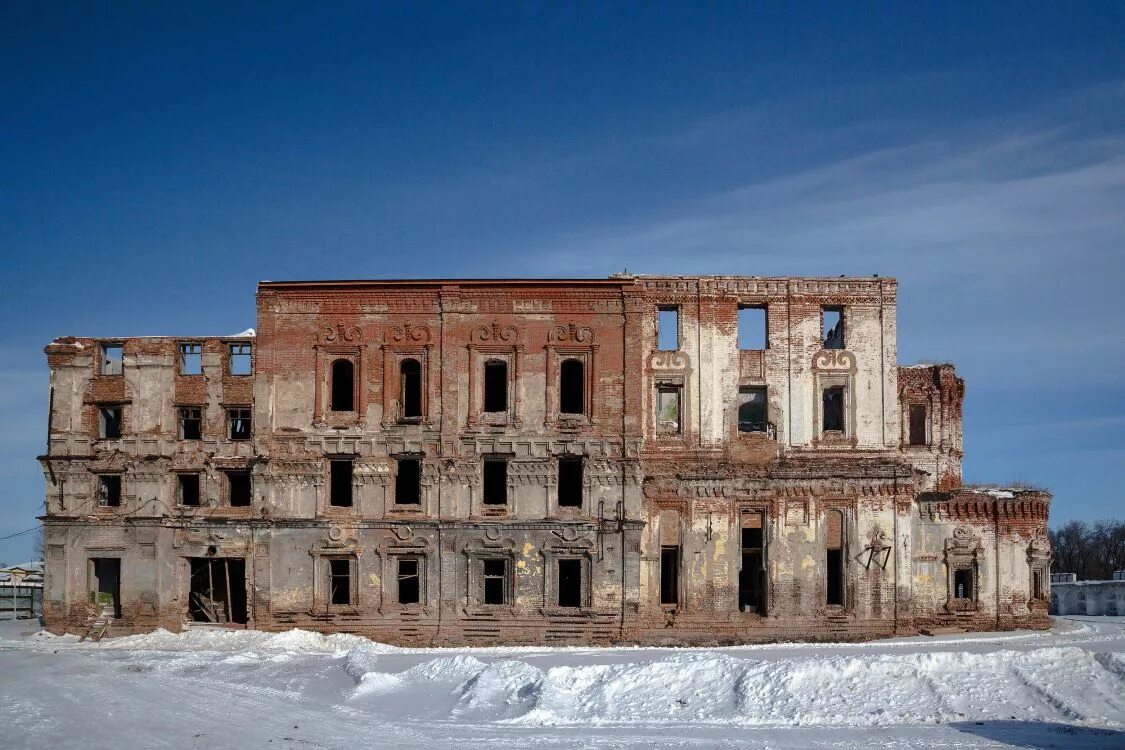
(105,582)
(217,590)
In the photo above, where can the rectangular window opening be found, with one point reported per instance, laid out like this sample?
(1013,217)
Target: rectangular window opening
(752,409)
(496,386)
(191,359)
(340,580)
(833,409)
(241,359)
(963,584)
(832,327)
(409,581)
(670,575)
(668,409)
(109,490)
(188,489)
(570,583)
(495,484)
(408,481)
(495,577)
(239,424)
(570,482)
(1037,584)
(238,489)
(109,422)
(752,574)
(835,565)
(668,328)
(191,423)
(340,484)
(112,359)
(752,330)
(918,424)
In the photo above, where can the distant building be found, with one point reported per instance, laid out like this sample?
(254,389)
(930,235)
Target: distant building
(1089,597)
(653,459)
(21,591)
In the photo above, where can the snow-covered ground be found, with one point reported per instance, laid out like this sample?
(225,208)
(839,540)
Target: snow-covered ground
(237,689)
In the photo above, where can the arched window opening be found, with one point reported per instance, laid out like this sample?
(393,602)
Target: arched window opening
(410,376)
(572,387)
(834,542)
(495,385)
(343,385)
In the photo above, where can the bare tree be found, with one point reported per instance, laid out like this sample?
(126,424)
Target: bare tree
(1091,551)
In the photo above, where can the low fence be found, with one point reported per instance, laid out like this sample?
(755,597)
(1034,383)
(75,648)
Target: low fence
(21,602)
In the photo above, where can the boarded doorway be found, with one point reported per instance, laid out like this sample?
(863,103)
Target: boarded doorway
(105,582)
(217,590)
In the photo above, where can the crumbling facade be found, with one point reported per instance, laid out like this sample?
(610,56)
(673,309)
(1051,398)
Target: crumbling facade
(666,460)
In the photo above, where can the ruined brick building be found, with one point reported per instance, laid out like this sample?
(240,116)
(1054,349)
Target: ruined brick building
(640,458)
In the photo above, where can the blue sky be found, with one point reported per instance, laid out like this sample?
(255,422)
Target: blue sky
(157,162)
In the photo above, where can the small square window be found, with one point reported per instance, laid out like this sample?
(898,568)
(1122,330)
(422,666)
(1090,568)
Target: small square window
(667,328)
(191,359)
(112,359)
(238,489)
(109,490)
(241,360)
(239,423)
(191,423)
(752,329)
(109,422)
(409,580)
(188,489)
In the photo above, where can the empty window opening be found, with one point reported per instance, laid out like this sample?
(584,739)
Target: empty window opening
(570,482)
(833,408)
(495,385)
(112,359)
(238,489)
(963,584)
(191,359)
(343,385)
(752,409)
(191,423)
(917,424)
(217,590)
(105,583)
(495,580)
(109,490)
(410,376)
(408,481)
(668,329)
(340,484)
(668,409)
(495,481)
(109,422)
(570,583)
(752,574)
(239,423)
(572,387)
(241,359)
(188,489)
(832,326)
(1037,584)
(834,543)
(409,581)
(340,580)
(669,575)
(752,331)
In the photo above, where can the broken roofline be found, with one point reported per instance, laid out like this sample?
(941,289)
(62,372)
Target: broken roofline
(614,280)
(249,333)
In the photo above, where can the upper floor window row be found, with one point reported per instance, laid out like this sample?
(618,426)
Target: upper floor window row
(240,359)
(753,327)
